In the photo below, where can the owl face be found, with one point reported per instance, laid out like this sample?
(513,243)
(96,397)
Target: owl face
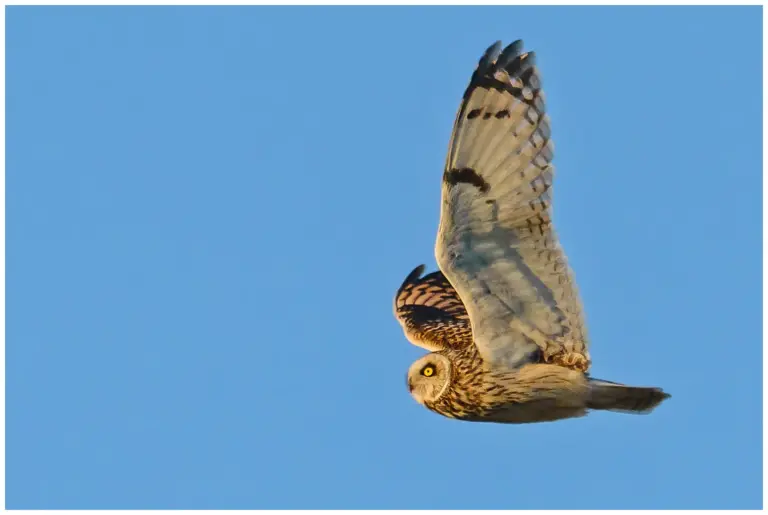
(428,377)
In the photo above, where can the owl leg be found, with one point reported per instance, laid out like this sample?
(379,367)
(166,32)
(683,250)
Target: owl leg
(550,351)
(556,351)
(572,360)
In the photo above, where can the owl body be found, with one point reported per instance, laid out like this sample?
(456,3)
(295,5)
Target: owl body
(502,318)
(477,392)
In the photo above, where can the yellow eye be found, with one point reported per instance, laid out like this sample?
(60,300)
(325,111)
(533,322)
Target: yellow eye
(428,371)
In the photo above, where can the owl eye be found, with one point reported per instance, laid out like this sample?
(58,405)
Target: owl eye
(428,371)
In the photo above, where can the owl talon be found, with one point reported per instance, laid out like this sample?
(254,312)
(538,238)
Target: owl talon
(572,360)
(551,353)
(558,356)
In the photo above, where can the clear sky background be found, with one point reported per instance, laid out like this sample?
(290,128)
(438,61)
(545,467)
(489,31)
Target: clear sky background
(210,209)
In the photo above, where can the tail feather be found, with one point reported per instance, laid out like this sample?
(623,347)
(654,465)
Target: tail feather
(605,395)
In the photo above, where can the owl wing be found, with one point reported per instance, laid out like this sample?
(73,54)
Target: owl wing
(431,312)
(496,244)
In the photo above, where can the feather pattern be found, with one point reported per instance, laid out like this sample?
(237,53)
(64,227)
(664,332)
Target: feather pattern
(496,244)
(431,312)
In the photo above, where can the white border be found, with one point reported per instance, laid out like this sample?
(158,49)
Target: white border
(338,2)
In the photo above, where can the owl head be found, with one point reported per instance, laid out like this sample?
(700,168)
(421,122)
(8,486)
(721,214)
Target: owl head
(428,377)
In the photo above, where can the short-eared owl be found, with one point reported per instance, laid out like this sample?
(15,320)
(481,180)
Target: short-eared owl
(503,317)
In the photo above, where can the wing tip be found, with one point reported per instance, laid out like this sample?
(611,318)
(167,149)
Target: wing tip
(409,280)
(509,53)
(513,60)
(491,53)
(415,274)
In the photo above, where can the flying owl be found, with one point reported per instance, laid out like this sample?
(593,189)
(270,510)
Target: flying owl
(502,318)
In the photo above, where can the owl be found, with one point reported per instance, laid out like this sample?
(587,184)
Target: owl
(503,318)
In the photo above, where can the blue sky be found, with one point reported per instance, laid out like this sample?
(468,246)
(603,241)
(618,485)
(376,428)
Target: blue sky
(210,209)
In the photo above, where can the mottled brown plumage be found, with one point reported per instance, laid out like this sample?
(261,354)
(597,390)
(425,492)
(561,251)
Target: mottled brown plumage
(474,391)
(431,312)
(503,315)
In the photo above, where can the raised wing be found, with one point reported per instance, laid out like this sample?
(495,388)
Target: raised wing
(431,312)
(496,243)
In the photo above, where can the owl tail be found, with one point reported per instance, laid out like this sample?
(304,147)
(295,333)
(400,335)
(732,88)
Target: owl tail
(606,395)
